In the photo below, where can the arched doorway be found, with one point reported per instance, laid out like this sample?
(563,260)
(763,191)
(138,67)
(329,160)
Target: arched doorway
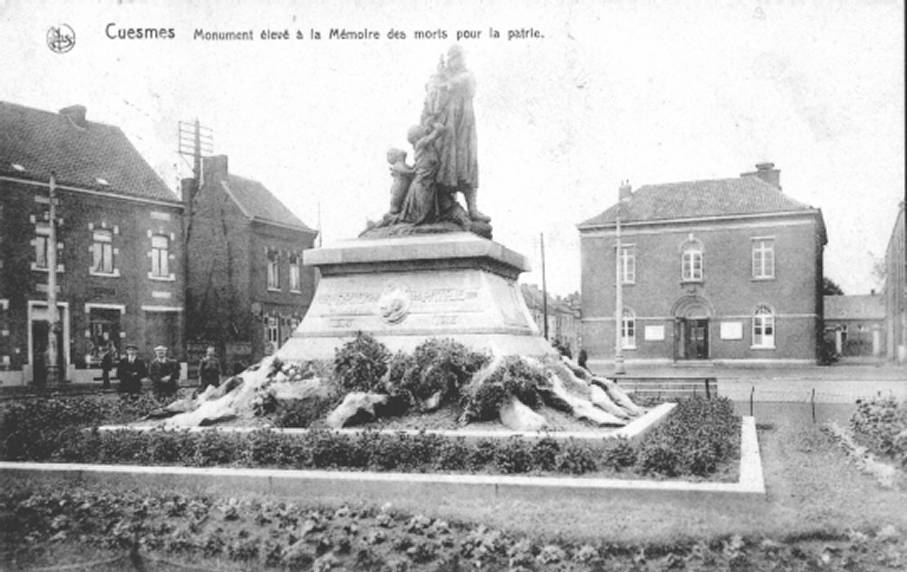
(691,328)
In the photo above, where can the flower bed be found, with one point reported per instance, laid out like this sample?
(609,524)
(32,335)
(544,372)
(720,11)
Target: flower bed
(699,439)
(167,530)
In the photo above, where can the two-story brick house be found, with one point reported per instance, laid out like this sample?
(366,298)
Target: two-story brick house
(247,287)
(118,244)
(710,270)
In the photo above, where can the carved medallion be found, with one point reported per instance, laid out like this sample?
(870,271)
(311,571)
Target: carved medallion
(393,306)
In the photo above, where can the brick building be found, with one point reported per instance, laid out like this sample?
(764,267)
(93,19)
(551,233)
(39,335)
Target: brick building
(247,287)
(896,291)
(711,270)
(118,243)
(855,324)
(563,317)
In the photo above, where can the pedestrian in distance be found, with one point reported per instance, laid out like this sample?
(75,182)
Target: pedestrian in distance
(209,370)
(131,371)
(109,357)
(164,373)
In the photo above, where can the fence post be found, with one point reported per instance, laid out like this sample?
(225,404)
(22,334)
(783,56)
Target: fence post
(752,391)
(812,402)
(708,392)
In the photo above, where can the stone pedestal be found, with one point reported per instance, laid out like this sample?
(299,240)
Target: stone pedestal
(408,289)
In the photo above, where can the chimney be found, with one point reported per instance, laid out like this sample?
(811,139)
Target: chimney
(187,189)
(76,114)
(625,191)
(768,173)
(214,168)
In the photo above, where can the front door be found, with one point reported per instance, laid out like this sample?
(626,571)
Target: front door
(697,339)
(39,331)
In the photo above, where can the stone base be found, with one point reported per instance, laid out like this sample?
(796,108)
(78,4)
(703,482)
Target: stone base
(406,290)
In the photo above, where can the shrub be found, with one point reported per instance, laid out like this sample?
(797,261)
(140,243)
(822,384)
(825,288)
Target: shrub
(699,436)
(881,425)
(360,363)
(513,456)
(512,377)
(452,455)
(436,366)
(544,454)
(620,455)
(575,458)
(216,448)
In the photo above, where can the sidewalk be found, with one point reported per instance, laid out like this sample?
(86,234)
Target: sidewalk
(838,383)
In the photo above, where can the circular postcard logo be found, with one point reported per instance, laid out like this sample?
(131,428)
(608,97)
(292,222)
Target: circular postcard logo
(61,38)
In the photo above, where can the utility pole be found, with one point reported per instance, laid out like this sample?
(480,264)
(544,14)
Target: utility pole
(618,302)
(193,140)
(53,352)
(544,286)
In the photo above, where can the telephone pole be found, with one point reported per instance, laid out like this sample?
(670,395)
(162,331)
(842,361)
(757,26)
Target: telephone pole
(194,140)
(53,352)
(618,302)
(544,286)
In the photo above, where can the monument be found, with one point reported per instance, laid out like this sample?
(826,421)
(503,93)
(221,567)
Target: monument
(428,267)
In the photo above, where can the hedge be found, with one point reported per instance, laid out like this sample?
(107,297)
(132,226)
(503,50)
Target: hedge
(698,438)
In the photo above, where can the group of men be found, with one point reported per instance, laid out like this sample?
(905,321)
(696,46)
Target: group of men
(163,371)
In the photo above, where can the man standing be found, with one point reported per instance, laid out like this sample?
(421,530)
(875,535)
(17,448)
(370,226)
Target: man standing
(109,356)
(208,370)
(131,371)
(164,373)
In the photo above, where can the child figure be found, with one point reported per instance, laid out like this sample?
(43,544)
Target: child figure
(402,175)
(421,203)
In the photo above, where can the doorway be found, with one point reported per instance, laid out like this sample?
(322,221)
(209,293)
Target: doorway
(697,339)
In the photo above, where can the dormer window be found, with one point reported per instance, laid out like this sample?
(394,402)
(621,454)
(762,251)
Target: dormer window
(101,181)
(17,167)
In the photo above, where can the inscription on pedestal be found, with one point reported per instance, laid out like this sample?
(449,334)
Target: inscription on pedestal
(396,301)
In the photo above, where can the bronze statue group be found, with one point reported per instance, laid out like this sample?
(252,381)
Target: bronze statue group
(445,159)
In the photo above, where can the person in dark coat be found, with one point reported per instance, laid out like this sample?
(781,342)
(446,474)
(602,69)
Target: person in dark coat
(164,373)
(131,371)
(209,370)
(582,358)
(108,359)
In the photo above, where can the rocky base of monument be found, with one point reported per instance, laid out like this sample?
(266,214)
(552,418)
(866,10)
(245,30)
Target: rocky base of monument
(365,383)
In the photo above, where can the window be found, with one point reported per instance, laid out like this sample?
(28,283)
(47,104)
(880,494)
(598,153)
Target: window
(42,240)
(160,256)
(628,330)
(102,252)
(294,273)
(763,258)
(627,265)
(763,328)
(272,330)
(692,264)
(273,270)
(103,332)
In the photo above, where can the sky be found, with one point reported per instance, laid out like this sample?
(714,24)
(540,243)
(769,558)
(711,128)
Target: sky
(595,93)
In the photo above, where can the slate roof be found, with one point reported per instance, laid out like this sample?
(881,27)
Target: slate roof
(44,141)
(694,199)
(858,307)
(258,202)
